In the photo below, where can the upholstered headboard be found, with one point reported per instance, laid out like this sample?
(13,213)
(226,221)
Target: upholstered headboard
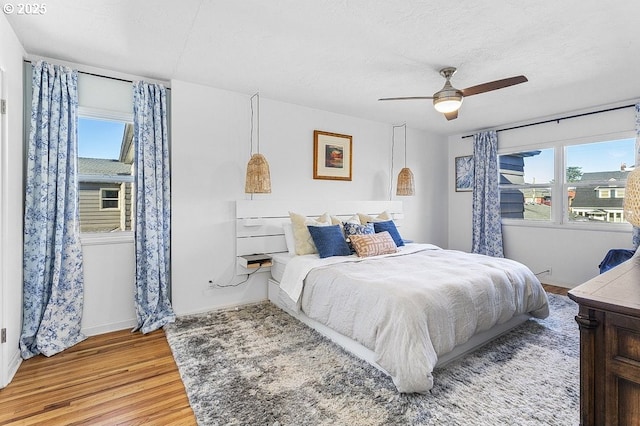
(259,222)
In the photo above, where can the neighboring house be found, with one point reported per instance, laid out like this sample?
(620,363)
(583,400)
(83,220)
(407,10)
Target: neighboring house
(513,201)
(600,201)
(105,190)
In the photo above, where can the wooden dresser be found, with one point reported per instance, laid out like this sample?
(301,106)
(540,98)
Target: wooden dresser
(609,320)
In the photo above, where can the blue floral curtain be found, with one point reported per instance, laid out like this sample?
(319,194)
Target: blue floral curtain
(487,224)
(53,274)
(153,216)
(636,230)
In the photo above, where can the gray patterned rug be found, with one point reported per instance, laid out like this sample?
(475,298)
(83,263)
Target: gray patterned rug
(259,366)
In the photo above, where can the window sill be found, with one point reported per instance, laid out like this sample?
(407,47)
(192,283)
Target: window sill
(101,238)
(592,227)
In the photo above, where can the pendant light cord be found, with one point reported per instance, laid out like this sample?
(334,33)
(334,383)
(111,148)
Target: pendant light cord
(405,144)
(257,127)
(393,146)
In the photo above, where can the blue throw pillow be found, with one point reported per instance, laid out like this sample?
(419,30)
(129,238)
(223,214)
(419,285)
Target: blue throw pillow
(390,227)
(329,241)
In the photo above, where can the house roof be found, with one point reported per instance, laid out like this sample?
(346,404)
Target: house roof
(102,167)
(587,197)
(341,56)
(617,175)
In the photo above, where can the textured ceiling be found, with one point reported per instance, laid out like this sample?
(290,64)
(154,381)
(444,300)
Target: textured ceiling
(343,55)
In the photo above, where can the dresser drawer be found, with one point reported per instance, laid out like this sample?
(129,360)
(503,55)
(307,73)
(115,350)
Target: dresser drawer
(623,339)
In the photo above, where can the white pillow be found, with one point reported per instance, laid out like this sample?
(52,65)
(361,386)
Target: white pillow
(355,219)
(335,220)
(365,218)
(303,241)
(288,237)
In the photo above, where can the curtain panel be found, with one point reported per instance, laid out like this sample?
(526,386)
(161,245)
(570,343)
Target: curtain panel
(153,213)
(52,266)
(487,223)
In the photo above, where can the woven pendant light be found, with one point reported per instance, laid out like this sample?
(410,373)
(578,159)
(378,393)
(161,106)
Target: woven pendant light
(258,180)
(406,185)
(632,198)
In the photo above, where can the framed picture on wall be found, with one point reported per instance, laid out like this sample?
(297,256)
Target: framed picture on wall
(464,173)
(332,156)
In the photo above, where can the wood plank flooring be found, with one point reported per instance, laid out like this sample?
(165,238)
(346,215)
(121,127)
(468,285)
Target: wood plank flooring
(555,289)
(116,378)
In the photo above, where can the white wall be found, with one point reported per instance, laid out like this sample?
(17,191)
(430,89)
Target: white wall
(109,285)
(210,150)
(573,255)
(11,164)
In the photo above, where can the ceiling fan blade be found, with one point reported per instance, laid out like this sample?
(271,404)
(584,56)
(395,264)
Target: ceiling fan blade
(493,85)
(451,115)
(405,98)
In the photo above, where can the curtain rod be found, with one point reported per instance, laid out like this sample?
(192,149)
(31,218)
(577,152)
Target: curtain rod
(560,119)
(99,75)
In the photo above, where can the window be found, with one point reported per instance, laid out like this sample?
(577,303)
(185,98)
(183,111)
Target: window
(589,178)
(105,164)
(595,191)
(109,199)
(604,193)
(526,184)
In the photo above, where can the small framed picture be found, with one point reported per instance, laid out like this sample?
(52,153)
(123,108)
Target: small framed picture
(464,173)
(332,156)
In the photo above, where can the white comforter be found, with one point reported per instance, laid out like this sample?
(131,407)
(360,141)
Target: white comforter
(415,305)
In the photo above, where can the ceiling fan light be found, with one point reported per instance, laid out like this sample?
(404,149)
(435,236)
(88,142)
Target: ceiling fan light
(447,104)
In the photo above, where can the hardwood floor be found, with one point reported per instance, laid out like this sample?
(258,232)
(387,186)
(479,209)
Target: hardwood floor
(116,378)
(555,289)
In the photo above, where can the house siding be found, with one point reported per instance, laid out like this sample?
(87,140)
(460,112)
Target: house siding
(95,219)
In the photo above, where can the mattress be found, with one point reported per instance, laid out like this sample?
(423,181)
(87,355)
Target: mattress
(278,264)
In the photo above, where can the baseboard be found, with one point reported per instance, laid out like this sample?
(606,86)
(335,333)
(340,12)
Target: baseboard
(222,307)
(12,367)
(558,284)
(108,328)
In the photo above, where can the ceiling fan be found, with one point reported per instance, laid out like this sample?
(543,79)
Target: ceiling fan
(449,99)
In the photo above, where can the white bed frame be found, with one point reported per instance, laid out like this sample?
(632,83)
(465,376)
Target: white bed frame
(259,230)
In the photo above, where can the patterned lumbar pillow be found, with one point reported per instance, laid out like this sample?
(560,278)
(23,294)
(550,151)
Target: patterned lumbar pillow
(329,241)
(303,241)
(351,229)
(373,245)
(390,227)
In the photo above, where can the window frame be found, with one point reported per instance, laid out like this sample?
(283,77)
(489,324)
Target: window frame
(99,238)
(559,209)
(103,199)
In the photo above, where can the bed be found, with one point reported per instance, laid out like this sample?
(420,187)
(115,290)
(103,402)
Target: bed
(408,311)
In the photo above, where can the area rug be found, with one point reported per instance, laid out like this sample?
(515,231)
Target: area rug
(256,365)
